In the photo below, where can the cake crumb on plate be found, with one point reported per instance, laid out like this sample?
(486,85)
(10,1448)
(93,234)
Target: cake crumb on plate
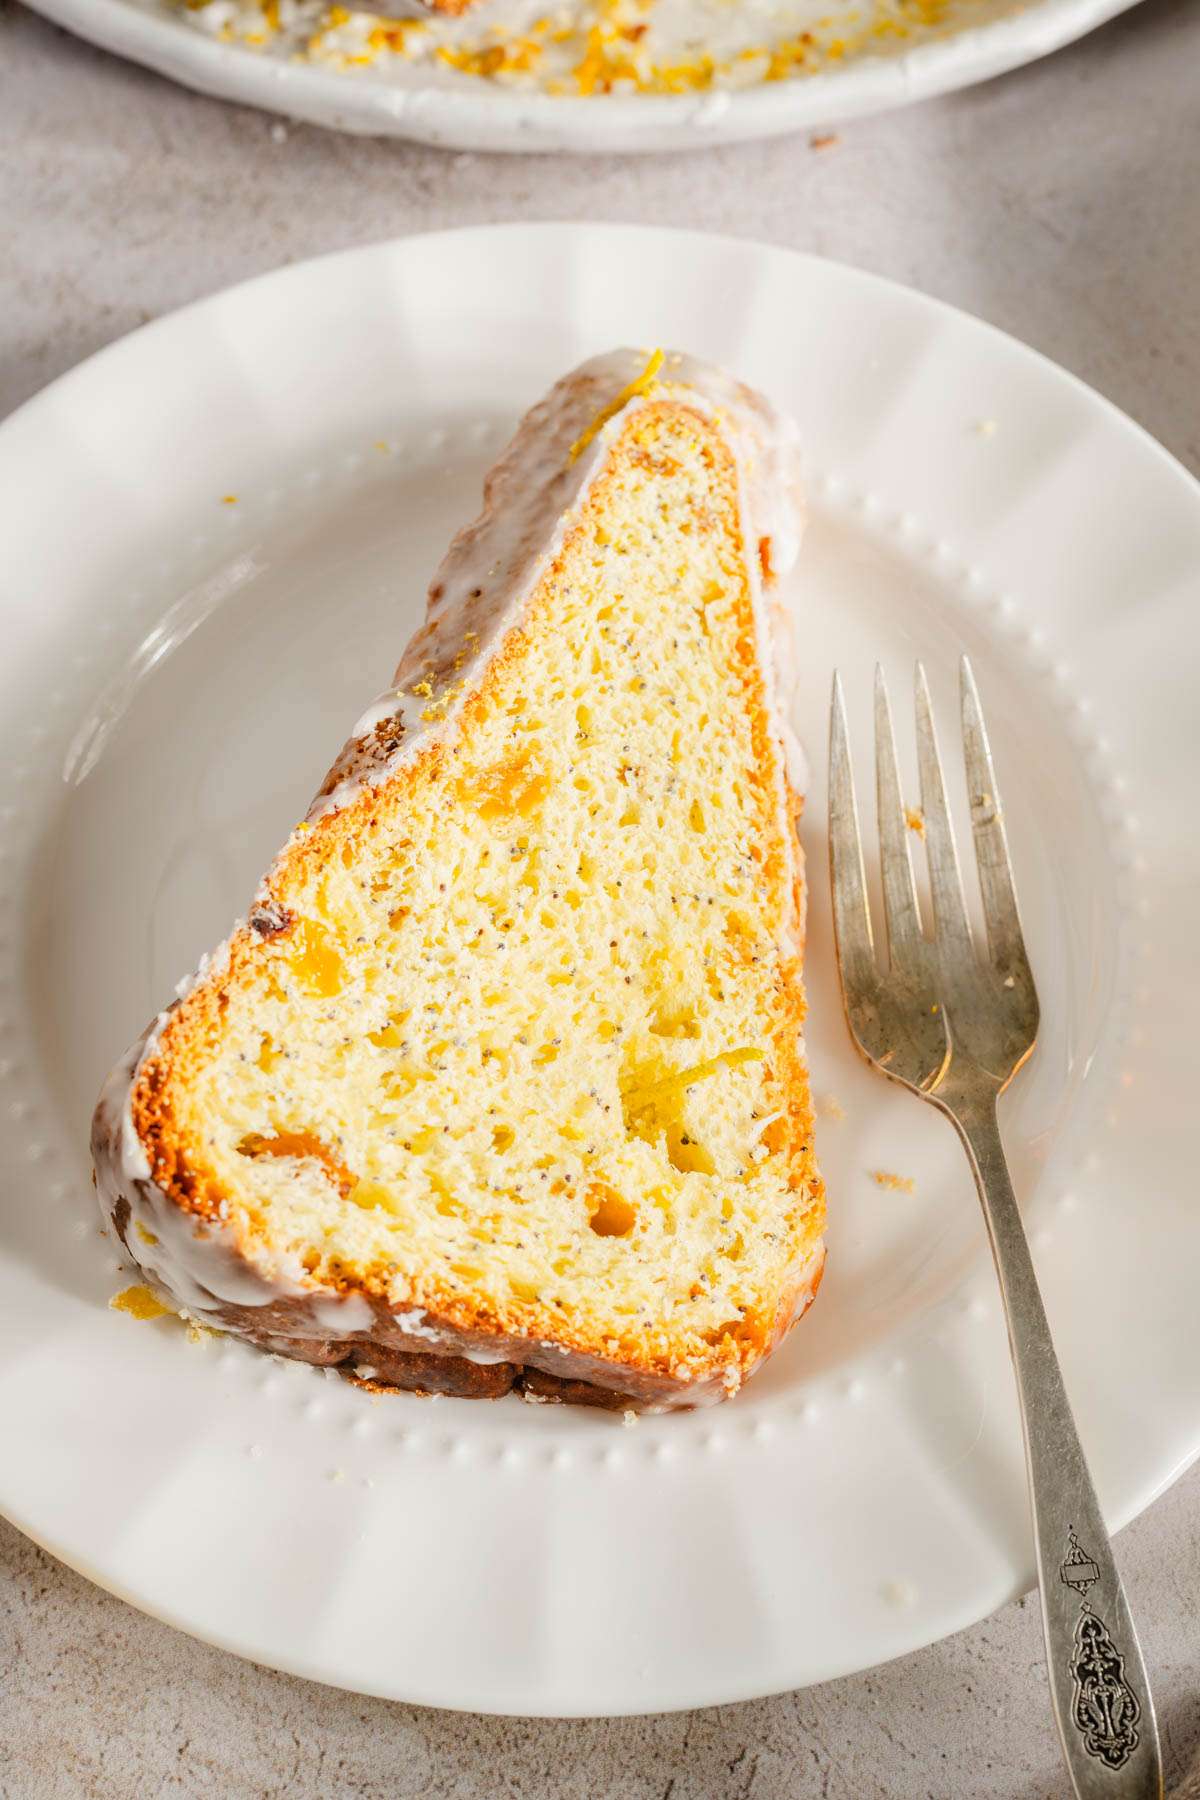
(139,1302)
(897,1184)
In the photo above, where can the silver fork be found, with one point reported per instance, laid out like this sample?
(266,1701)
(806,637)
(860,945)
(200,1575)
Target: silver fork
(955,1025)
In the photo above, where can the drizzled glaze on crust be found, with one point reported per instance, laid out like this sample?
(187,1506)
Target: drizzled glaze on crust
(494,562)
(187,1249)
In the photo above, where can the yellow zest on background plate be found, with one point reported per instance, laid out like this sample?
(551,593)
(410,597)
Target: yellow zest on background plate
(596,47)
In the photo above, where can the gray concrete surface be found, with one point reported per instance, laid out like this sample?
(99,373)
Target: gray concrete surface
(1062,203)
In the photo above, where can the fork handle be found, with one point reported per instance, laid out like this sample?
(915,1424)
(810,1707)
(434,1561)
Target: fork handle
(1098,1683)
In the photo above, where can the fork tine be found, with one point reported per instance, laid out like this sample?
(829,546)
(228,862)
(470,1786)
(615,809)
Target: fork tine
(949,908)
(905,940)
(1000,911)
(851,914)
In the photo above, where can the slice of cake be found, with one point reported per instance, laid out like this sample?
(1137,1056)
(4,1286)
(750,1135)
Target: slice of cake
(502,1081)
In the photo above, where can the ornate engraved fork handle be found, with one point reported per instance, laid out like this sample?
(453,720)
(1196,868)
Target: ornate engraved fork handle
(954,1022)
(1098,1680)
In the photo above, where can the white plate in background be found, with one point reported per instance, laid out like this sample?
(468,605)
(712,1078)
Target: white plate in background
(464,112)
(178,671)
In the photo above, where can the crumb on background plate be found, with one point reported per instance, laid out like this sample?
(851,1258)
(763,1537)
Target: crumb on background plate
(593,47)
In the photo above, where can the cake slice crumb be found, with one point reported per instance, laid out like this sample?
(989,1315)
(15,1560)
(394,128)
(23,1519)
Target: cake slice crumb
(548,1114)
(897,1184)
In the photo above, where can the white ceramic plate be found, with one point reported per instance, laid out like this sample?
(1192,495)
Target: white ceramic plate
(178,671)
(466,113)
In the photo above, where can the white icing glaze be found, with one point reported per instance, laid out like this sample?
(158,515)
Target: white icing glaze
(476,598)
(412,1325)
(342,1315)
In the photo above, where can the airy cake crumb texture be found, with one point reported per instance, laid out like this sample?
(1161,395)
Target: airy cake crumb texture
(526,1048)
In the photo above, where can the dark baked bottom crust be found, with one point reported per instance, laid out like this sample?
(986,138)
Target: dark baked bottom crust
(369,1364)
(377,1363)
(384,1355)
(380,1368)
